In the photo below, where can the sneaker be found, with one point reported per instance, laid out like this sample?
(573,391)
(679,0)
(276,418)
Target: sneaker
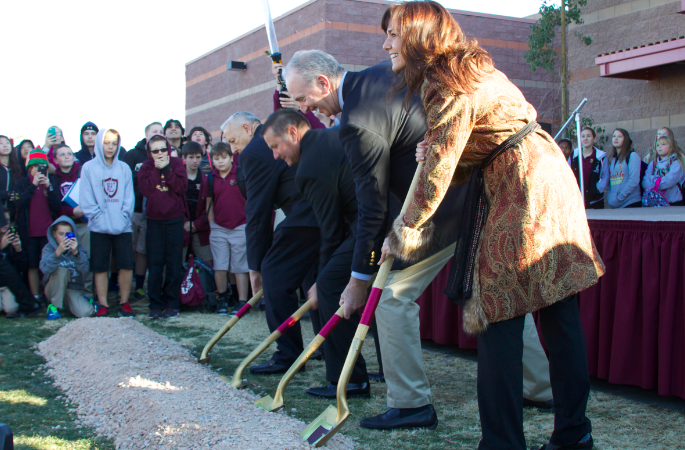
(237,307)
(139,294)
(125,310)
(53,313)
(103,311)
(222,309)
(171,313)
(93,303)
(155,314)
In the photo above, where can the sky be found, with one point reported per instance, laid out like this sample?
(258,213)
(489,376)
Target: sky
(122,64)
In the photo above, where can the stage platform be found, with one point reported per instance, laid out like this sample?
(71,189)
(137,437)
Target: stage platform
(634,318)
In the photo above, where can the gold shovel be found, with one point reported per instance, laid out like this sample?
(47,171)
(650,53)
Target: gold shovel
(277,402)
(204,358)
(237,381)
(332,419)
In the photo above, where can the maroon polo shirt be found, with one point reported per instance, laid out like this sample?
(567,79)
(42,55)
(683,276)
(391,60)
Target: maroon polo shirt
(229,203)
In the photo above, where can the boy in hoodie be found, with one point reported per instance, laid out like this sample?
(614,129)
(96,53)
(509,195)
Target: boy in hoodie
(88,132)
(163,181)
(196,223)
(135,159)
(37,201)
(15,298)
(106,197)
(64,265)
(67,172)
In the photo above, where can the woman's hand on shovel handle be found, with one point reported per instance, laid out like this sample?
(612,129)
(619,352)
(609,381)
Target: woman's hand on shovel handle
(385,251)
(312,297)
(353,297)
(421,150)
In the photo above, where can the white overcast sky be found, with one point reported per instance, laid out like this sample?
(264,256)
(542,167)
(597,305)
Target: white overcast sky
(122,64)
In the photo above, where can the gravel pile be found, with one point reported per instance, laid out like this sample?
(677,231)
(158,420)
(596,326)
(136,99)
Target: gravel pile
(144,390)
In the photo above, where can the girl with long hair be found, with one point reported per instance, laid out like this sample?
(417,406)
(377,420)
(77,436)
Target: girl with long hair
(10,172)
(624,172)
(22,151)
(535,251)
(667,169)
(595,170)
(663,131)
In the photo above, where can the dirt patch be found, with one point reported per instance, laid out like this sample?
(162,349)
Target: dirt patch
(144,390)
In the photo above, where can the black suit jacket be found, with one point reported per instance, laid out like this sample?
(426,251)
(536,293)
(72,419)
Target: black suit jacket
(270,185)
(379,137)
(325,180)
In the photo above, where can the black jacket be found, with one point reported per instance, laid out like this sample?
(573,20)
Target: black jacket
(18,259)
(593,198)
(7,183)
(135,158)
(379,137)
(24,189)
(270,185)
(325,180)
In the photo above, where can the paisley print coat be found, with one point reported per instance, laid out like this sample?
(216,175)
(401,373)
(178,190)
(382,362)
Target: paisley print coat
(536,247)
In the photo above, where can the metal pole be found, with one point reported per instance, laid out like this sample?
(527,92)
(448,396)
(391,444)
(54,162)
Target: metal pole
(570,118)
(580,157)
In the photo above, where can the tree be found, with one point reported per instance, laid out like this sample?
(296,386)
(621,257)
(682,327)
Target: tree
(541,54)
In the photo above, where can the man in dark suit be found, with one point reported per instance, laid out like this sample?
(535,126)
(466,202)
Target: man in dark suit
(379,136)
(325,180)
(281,268)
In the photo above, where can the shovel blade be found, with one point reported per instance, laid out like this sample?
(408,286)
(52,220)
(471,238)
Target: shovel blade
(323,427)
(204,360)
(265,402)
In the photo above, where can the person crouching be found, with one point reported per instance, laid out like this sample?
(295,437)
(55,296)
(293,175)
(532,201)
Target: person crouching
(163,181)
(64,264)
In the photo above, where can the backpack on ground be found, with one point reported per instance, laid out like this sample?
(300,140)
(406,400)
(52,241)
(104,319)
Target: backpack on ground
(192,292)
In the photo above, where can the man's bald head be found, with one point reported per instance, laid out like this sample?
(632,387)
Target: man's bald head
(239,130)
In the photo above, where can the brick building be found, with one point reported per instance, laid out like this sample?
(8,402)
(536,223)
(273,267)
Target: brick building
(350,31)
(632,73)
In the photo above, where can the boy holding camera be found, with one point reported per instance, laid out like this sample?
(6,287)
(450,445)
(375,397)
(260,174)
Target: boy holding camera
(64,265)
(37,201)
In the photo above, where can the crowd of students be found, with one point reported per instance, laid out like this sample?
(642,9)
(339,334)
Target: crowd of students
(141,212)
(88,221)
(626,180)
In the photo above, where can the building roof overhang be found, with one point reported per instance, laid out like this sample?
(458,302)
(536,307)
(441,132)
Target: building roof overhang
(641,63)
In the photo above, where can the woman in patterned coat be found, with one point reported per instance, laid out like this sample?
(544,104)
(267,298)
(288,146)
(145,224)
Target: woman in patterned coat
(535,251)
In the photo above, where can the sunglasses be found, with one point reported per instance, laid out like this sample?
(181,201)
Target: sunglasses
(154,152)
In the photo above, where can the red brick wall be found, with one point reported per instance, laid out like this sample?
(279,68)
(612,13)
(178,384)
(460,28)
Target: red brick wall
(350,31)
(639,106)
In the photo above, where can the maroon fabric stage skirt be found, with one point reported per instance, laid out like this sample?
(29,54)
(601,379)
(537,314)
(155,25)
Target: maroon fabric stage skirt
(634,318)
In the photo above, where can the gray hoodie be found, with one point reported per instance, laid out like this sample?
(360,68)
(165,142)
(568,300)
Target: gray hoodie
(671,174)
(106,195)
(624,184)
(77,265)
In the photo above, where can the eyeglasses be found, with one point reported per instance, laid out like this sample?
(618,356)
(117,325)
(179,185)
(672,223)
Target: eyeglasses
(154,152)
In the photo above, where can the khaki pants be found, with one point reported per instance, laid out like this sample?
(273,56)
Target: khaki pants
(83,236)
(8,302)
(397,317)
(57,293)
(204,252)
(536,384)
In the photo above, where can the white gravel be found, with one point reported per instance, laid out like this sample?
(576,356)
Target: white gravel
(144,390)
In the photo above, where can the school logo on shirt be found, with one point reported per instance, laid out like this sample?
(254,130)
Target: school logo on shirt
(111,186)
(233,182)
(64,187)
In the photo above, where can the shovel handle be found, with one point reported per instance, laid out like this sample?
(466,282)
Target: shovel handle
(238,375)
(232,321)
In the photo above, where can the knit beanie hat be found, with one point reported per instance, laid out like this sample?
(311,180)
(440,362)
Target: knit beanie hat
(89,126)
(37,157)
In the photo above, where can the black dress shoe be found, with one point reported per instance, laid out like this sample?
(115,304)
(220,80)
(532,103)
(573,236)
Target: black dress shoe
(354,390)
(403,419)
(543,407)
(271,367)
(318,355)
(584,443)
(377,376)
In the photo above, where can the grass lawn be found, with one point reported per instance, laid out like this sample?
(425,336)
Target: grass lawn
(34,407)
